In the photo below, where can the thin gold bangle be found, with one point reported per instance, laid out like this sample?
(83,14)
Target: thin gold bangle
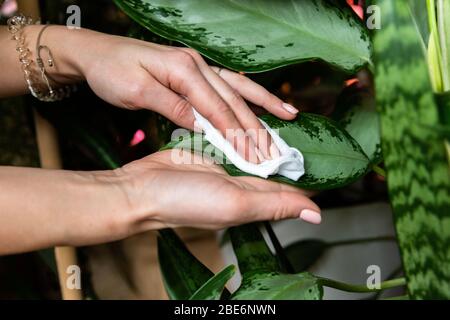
(16,26)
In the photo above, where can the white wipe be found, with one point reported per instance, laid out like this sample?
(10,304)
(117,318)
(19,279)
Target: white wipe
(290,163)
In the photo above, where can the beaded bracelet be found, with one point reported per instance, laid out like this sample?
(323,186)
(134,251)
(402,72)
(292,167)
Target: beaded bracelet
(42,91)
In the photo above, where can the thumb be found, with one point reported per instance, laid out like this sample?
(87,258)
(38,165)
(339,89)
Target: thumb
(267,206)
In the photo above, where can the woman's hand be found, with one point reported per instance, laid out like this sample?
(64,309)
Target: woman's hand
(85,208)
(135,74)
(201,194)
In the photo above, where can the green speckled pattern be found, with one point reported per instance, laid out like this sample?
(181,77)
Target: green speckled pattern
(261,277)
(417,168)
(332,157)
(182,273)
(213,288)
(259,35)
(275,286)
(358,116)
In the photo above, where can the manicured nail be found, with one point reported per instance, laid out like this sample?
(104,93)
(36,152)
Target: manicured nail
(290,108)
(311,216)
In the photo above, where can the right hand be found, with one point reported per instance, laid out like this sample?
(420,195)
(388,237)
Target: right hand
(134,74)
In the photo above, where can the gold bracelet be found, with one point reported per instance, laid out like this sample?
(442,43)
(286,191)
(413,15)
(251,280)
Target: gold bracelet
(40,90)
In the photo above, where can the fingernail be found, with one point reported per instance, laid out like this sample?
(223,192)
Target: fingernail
(274,152)
(311,216)
(290,108)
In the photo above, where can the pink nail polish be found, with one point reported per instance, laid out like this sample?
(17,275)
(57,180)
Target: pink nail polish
(311,216)
(290,108)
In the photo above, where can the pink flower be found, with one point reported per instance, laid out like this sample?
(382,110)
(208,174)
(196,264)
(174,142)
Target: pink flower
(8,8)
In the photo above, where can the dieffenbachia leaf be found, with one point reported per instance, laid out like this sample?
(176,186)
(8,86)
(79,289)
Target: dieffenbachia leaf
(252,253)
(361,120)
(213,288)
(183,274)
(414,155)
(259,35)
(332,157)
(261,276)
(276,286)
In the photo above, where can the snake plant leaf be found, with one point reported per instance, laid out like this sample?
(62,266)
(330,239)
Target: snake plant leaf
(183,274)
(277,286)
(443,14)
(443,104)
(420,17)
(414,155)
(259,35)
(361,120)
(213,288)
(332,157)
(304,253)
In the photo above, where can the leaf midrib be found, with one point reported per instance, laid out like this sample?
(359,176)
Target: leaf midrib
(335,155)
(312,35)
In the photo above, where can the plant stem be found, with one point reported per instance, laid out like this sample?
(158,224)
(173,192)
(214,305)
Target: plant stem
(361,288)
(359,241)
(393,274)
(282,257)
(379,170)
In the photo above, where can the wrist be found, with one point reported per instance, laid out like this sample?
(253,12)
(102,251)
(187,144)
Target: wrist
(66,48)
(99,208)
(139,185)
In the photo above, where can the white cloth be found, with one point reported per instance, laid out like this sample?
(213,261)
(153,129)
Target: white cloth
(290,163)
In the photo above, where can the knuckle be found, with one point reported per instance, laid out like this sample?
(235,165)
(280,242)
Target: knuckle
(181,109)
(282,210)
(236,98)
(193,53)
(220,116)
(185,59)
(184,68)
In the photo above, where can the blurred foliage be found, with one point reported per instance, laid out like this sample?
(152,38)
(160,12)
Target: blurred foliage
(79,120)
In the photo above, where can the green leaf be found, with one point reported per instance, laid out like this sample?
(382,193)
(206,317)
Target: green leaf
(414,155)
(182,273)
(362,122)
(304,253)
(276,286)
(252,253)
(261,276)
(419,15)
(443,21)
(443,104)
(259,35)
(213,288)
(332,157)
